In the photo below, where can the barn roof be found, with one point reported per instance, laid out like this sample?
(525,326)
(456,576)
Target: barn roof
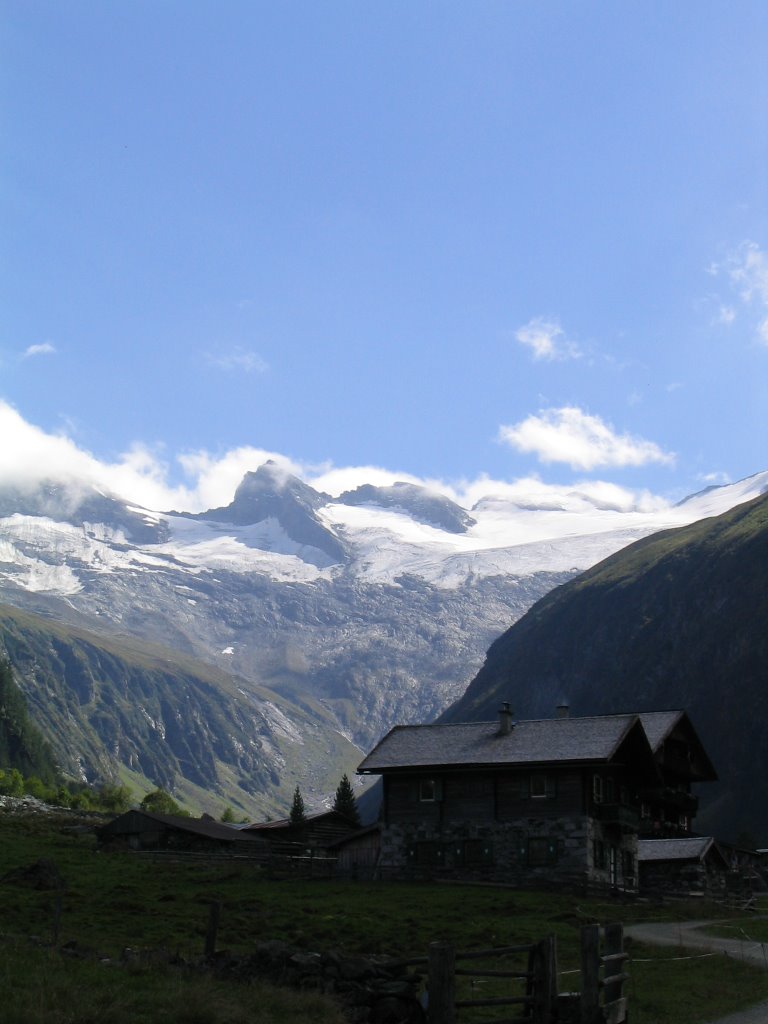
(132,821)
(480,744)
(317,818)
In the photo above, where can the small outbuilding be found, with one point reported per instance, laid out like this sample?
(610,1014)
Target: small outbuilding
(695,862)
(358,854)
(145,831)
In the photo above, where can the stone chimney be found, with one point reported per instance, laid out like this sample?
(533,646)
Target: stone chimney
(505,719)
(563,710)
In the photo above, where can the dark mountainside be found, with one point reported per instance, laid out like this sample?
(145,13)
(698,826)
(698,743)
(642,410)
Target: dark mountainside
(117,709)
(679,619)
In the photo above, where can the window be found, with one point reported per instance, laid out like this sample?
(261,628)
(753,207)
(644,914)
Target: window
(542,851)
(599,857)
(541,786)
(477,851)
(629,866)
(597,789)
(425,853)
(429,790)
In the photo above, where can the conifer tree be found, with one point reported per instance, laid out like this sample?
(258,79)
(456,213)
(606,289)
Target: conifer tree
(298,814)
(344,802)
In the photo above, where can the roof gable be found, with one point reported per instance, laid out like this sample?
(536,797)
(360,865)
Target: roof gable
(662,725)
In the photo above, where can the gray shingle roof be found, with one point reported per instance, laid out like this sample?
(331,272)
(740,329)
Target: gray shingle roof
(693,848)
(207,827)
(481,743)
(659,724)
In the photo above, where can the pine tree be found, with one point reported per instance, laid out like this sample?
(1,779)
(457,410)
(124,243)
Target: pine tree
(298,814)
(344,801)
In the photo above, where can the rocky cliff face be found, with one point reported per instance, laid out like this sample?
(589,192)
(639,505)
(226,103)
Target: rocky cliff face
(679,619)
(117,709)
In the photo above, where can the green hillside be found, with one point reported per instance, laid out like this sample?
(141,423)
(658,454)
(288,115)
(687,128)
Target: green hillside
(121,710)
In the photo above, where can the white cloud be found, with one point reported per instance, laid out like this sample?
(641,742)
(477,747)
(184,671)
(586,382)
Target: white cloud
(726,315)
(44,349)
(336,479)
(143,474)
(533,492)
(238,359)
(581,441)
(746,267)
(714,479)
(215,478)
(547,340)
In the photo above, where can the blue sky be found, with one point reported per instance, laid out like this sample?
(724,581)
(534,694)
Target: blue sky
(443,239)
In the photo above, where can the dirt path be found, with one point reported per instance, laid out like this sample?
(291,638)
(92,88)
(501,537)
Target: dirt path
(686,935)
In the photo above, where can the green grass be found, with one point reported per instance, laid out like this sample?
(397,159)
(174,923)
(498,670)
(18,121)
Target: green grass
(40,986)
(114,901)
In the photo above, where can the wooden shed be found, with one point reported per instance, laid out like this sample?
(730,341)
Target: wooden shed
(142,830)
(692,863)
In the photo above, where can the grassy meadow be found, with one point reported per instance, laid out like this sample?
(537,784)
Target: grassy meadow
(61,955)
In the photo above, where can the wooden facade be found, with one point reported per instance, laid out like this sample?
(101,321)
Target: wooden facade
(555,800)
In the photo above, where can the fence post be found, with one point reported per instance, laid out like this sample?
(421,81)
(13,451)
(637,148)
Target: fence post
(213,927)
(590,974)
(615,1004)
(57,901)
(543,967)
(441,984)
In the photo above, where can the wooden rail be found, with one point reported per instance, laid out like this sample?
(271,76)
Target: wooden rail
(538,1003)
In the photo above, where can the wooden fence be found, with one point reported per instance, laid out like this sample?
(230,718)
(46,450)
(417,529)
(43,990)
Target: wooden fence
(600,1000)
(602,996)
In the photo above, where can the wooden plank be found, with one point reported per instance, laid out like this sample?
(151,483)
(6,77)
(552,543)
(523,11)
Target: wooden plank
(590,966)
(479,954)
(214,914)
(614,947)
(615,1012)
(545,981)
(463,1004)
(613,979)
(475,972)
(442,984)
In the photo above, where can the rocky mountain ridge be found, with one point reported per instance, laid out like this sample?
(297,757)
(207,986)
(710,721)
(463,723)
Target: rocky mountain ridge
(364,610)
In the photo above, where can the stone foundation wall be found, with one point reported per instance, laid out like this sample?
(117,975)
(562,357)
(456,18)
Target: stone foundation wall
(524,850)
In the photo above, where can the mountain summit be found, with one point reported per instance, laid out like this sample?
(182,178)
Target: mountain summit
(270,493)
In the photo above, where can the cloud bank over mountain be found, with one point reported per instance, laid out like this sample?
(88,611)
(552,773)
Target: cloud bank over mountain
(193,481)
